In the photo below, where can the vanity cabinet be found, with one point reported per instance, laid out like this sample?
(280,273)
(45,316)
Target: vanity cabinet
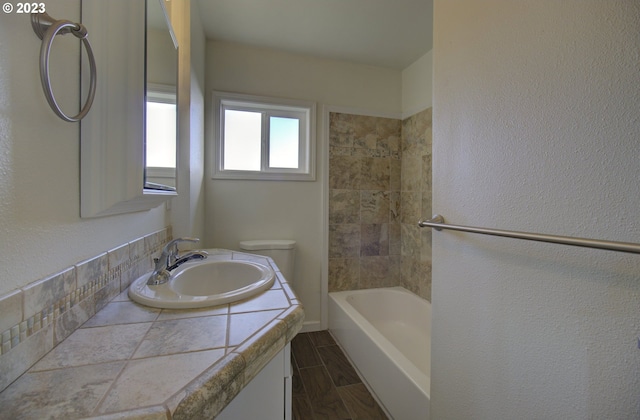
(268,395)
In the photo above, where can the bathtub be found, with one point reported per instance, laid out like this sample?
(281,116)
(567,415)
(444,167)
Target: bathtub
(386,333)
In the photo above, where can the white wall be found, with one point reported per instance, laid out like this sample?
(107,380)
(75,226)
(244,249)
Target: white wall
(417,86)
(40,228)
(536,128)
(240,210)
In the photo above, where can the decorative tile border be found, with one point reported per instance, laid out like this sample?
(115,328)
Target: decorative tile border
(37,317)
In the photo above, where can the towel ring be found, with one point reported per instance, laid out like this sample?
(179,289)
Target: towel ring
(47,28)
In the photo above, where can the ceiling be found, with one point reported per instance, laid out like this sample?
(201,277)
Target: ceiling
(387,33)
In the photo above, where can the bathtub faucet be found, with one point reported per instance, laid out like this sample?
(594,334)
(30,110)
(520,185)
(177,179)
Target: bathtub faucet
(170,260)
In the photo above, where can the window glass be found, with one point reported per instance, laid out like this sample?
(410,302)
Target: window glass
(161,135)
(284,138)
(242,140)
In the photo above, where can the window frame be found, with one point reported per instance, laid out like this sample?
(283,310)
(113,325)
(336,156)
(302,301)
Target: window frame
(304,111)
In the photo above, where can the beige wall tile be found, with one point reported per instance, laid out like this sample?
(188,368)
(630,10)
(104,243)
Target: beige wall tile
(344,206)
(16,361)
(343,274)
(345,172)
(375,174)
(92,269)
(374,206)
(374,240)
(47,292)
(11,310)
(410,207)
(344,241)
(394,160)
(118,256)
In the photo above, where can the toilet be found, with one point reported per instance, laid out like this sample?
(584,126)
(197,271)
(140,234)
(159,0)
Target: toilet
(282,251)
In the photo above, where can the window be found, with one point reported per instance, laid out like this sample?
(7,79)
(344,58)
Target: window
(263,138)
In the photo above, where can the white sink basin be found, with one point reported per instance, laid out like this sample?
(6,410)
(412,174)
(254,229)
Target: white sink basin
(204,283)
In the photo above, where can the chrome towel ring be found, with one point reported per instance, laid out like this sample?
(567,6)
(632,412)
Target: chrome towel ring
(47,28)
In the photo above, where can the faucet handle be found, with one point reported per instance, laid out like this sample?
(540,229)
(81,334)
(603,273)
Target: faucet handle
(173,245)
(188,239)
(170,250)
(183,239)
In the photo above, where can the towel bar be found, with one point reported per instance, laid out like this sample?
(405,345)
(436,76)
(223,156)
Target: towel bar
(437,222)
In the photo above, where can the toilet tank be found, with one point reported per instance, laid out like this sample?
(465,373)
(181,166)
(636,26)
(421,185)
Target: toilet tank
(282,251)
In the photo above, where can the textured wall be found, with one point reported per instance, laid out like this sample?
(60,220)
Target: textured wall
(536,129)
(40,224)
(379,186)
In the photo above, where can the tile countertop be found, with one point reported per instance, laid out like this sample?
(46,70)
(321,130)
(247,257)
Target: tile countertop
(131,361)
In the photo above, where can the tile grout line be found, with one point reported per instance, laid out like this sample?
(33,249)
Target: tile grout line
(346,406)
(304,388)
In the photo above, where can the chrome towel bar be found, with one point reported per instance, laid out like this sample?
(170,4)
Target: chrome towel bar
(438,223)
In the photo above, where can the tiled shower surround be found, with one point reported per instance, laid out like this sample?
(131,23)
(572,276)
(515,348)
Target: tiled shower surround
(37,317)
(379,187)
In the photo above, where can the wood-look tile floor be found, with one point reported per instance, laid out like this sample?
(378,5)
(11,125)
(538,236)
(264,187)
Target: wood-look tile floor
(325,385)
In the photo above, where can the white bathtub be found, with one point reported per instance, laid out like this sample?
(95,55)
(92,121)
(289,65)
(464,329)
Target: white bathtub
(387,335)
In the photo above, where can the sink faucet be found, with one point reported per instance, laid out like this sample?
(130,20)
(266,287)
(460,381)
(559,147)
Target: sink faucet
(169,260)
(188,256)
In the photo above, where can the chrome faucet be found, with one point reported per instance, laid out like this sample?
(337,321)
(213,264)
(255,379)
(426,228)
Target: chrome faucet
(169,260)
(188,256)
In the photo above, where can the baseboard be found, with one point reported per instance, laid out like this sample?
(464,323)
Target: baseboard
(309,326)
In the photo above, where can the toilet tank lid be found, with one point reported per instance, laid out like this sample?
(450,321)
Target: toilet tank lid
(267,244)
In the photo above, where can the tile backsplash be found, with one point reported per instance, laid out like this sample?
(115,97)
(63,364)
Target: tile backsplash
(37,317)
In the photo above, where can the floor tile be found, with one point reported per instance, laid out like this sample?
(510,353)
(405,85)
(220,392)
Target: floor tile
(297,385)
(360,403)
(325,384)
(304,351)
(338,366)
(323,395)
(321,338)
(301,408)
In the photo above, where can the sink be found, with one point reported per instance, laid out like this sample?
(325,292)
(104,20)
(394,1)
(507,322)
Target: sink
(204,283)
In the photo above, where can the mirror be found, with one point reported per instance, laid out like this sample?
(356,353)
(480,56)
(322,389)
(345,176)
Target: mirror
(161,70)
(135,63)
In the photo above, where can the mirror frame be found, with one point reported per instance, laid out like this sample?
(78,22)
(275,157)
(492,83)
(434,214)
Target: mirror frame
(112,133)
